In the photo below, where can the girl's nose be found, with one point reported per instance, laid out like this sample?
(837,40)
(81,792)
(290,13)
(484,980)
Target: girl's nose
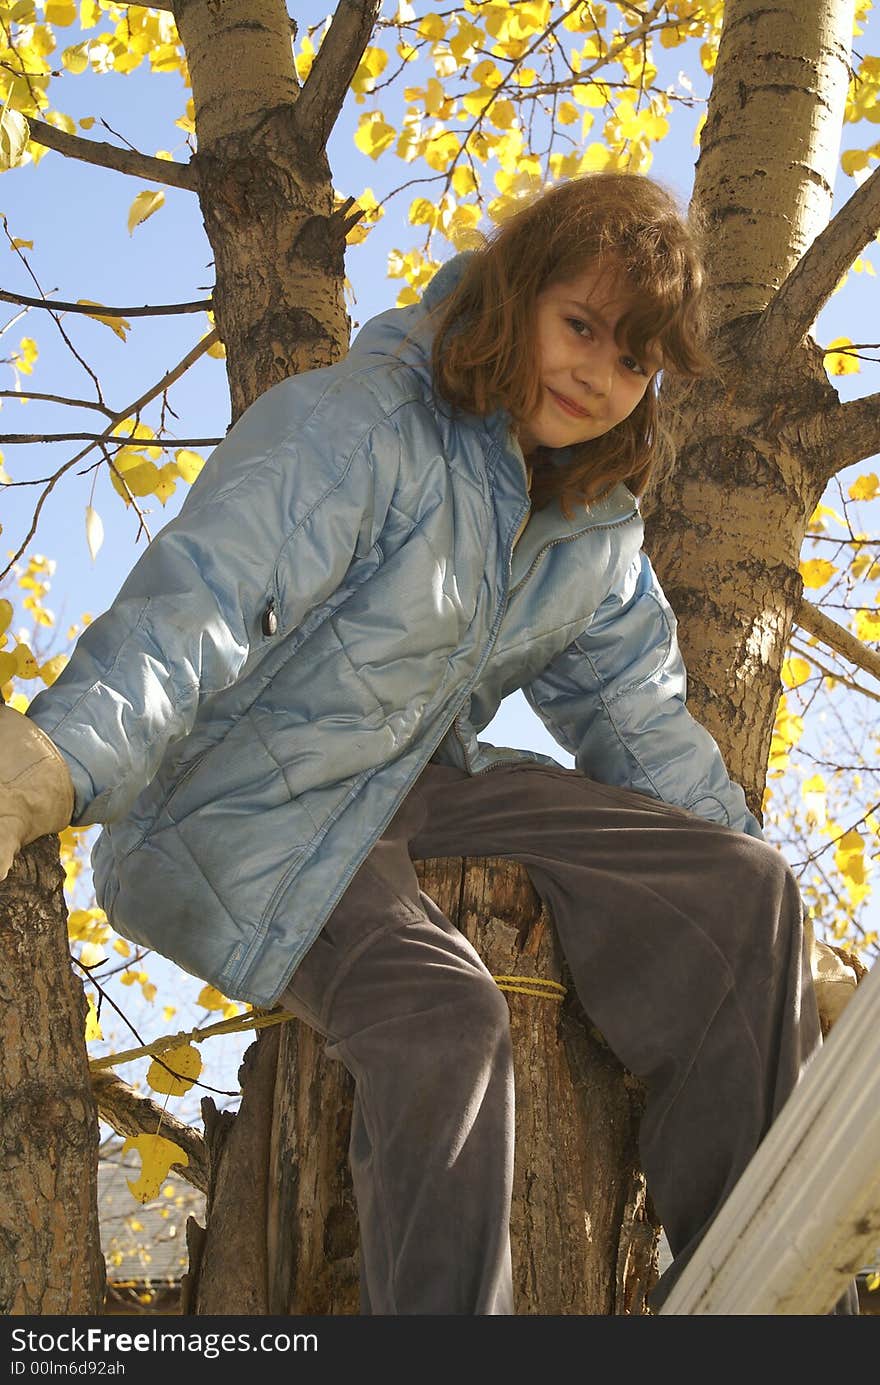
(597,374)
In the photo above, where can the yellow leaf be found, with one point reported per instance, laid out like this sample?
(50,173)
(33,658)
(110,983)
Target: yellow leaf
(60,12)
(94,531)
(853,161)
(93,1025)
(185,1061)
(18,244)
(26,355)
(167,482)
(592,94)
(463,180)
(76,59)
(91,954)
(502,114)
(142,479)
(122,947)
(211,999)
(839,362)
(373,134)
(432,27)
(189,464)
(817,518)
(865,488)
(9,666)
(867,627)
(157,1155)
(440,151)
(814,791)
(14,135)
(423,213)
(817,571)
(52,667)
(795,672)
(303,59)
(371,66)
(849,856)
(5,614)
(25,663)
(143,206)
(119,325)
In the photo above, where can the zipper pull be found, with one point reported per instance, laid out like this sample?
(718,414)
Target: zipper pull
(269,623)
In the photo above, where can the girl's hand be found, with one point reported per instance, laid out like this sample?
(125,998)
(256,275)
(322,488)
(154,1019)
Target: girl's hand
(835,976)
(36,791)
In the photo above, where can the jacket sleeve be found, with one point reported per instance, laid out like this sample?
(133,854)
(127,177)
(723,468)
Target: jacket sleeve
(190,612)
(615,699)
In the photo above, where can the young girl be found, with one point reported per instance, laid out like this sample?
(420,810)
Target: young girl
(280,712)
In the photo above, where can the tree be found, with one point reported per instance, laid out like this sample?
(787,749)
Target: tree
(513,93)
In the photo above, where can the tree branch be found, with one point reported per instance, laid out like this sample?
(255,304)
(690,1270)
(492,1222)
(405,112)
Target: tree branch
(834,636)
(847,434)
(111,156)
(19,439)
(130,1114)
(336,62)
(99,310)
(796,304)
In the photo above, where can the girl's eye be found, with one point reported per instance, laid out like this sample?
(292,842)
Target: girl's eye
(631,363)
(576,323)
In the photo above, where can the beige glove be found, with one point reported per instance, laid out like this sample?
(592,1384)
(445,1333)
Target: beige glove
(36,791)
(835,977)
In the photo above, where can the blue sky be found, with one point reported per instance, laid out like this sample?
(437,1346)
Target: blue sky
(76,215)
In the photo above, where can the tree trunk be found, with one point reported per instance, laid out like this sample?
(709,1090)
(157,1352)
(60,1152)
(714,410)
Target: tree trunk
(726,529)
(50,1254)
(266,194)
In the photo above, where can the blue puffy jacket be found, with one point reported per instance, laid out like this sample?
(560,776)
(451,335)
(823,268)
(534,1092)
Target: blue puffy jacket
(341,599)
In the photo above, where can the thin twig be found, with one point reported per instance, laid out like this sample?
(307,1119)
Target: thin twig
(99,310)
(58,399)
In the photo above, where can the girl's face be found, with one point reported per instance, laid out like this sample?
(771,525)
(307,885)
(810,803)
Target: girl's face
(589,383)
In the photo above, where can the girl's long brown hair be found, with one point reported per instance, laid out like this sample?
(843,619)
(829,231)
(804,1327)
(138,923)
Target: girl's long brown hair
(484,354)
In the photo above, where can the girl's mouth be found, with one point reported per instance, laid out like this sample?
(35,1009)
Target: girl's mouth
(569,408)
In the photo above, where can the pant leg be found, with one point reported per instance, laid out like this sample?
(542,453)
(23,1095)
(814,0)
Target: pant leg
(684,941)
(409,1008)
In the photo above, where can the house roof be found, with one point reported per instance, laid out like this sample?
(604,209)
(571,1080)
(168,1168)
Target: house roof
(143,1242)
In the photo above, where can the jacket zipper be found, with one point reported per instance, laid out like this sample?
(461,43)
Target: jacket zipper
(268,912)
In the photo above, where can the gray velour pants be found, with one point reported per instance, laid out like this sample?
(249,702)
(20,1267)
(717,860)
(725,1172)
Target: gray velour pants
(714,1011)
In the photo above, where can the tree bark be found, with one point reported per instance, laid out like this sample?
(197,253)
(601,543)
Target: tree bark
(50,1254)
(266,190)
(725,528)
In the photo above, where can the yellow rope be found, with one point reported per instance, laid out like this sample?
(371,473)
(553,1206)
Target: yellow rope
(254,1019)
(534,985)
